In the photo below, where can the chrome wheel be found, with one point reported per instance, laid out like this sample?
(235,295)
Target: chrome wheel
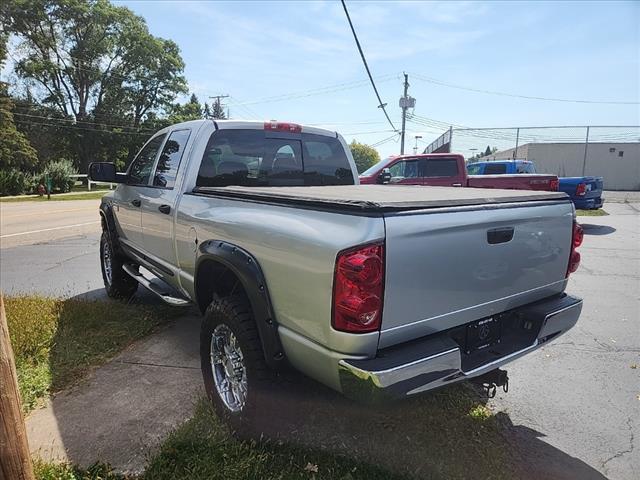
(106,262)
(229,371)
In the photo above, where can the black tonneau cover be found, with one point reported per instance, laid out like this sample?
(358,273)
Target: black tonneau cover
(380,198)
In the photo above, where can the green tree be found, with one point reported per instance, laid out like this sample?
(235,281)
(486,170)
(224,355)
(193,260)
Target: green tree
(206,111)
(96,64)
(192,110)
(364,155)
(217,111)
(15,150)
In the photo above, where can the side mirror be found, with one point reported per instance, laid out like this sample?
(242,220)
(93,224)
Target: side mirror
(384,176)
(105,172)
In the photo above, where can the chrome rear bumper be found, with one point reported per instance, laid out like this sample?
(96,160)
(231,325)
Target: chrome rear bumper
(438,360)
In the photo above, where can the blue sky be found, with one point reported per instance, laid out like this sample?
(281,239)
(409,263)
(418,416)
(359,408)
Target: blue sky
(256,50)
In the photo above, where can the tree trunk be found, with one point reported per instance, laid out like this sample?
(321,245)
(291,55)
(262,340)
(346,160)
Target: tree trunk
(15,460)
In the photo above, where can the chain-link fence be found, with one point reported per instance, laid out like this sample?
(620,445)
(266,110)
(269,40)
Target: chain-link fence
(609,151)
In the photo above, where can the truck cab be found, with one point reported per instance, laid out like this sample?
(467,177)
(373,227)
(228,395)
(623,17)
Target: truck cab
(434,169)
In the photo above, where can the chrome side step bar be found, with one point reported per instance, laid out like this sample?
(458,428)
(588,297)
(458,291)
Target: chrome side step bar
(166,294)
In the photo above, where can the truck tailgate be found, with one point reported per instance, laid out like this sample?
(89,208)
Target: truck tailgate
(447,268)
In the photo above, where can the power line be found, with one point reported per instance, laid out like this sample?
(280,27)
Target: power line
(513,95)
(368,133)
(364,61)
(73,127)
(374,122)
(385,140)
(238,103)
(317,91)
(83,122)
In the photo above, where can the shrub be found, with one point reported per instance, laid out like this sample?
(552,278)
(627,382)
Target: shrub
(60,173)
(13,182)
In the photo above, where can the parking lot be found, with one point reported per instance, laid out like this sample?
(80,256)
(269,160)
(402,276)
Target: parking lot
(571,410)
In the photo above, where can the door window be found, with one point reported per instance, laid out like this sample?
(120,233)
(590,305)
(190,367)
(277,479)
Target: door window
(403,170)
(140,169)
(169,160)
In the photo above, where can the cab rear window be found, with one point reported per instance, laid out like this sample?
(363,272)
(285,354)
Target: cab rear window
(250,158)
(495,169)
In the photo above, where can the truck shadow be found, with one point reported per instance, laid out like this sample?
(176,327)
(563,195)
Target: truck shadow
(121,413)
(447,433)
(591,229)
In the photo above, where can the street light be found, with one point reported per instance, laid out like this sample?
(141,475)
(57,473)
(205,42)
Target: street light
(415,149)
(472,150)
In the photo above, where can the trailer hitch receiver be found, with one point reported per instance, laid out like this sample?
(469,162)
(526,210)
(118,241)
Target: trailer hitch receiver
(492,380)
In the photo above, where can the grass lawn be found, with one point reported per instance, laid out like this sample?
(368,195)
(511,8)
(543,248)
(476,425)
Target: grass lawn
(61,196)
(56,341)
(591,213)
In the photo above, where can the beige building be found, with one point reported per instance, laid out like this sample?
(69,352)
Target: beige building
(618,163)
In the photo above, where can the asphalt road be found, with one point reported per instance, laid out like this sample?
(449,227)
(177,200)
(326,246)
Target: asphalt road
(583,391)
(25,223)
(573,408)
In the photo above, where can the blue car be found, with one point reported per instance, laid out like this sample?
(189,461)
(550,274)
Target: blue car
(585,192)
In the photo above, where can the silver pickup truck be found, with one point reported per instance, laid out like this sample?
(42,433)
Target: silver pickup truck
(377,291)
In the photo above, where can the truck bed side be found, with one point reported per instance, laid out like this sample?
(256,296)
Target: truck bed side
(522,181)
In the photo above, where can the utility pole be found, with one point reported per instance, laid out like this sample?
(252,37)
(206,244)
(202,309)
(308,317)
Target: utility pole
(15,459)
(406,102)
(217,100)
(584,160)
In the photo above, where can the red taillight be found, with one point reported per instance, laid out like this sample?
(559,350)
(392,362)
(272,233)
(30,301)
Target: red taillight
(574,262)
(581,189)
(554,185)
(578,234)
(358,288)
(576,240)
(283,127)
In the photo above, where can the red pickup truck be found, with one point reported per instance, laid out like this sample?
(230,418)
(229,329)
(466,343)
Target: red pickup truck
(448,169)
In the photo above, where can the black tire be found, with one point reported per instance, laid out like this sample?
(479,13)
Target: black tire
(234,312)
(118,284)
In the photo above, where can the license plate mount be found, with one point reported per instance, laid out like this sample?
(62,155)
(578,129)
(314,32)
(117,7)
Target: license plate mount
(482,334)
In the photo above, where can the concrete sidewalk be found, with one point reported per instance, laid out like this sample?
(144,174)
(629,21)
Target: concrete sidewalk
(123,411)
(620,197)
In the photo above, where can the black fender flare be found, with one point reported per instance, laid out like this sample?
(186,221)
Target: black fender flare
(248,271)
(109,225)
(106,215)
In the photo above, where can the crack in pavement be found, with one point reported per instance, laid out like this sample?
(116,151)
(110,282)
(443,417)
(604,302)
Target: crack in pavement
(145,364)
(622,452)
(605,348)
(60,263)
